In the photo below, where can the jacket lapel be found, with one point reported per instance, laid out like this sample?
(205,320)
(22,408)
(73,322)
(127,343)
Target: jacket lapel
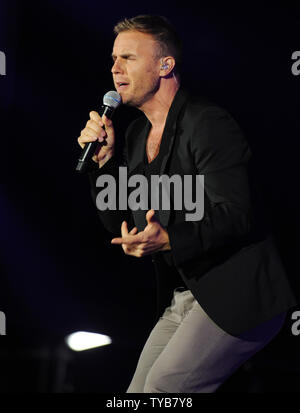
(172,124)
(137,150)
(171,130)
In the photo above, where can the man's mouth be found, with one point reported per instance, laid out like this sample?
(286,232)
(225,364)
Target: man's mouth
(122,85)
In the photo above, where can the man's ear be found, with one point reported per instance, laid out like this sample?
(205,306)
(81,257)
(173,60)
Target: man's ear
(167,64)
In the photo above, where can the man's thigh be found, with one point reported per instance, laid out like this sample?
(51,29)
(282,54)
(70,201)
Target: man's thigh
(181,304)
(156,342)
(200,356)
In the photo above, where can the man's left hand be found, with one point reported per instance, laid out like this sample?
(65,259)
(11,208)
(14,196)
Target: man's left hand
(154,238)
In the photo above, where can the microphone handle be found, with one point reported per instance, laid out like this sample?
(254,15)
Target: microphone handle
(90,148)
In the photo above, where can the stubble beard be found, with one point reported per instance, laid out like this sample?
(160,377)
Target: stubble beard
(138,101)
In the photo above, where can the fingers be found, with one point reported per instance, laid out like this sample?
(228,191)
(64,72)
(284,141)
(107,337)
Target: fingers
(89,135)
(129,239)
(125,233)
(104,121)
(134,230)
(124,229)
(131,242)
(107,122)
(95,116)
(150,215)
(93,130)
(95,126)
(100,129)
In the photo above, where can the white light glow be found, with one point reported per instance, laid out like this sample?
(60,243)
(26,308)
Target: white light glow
(82,340)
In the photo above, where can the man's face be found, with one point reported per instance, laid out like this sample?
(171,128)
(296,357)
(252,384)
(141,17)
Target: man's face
(136,67)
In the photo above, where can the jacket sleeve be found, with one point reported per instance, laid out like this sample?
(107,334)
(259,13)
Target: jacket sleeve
(220,153)
(112,219)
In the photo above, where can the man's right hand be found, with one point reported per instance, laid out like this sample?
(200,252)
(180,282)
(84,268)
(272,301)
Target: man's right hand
(93,131)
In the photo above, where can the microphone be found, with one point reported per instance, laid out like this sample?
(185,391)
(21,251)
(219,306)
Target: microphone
(111,100)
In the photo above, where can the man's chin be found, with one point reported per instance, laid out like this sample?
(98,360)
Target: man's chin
(128,102)
(132,101)
(125,99)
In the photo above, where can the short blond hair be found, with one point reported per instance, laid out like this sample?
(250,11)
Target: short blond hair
(162,31)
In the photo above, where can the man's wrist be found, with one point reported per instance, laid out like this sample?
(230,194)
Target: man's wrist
(167,245)
(107,157)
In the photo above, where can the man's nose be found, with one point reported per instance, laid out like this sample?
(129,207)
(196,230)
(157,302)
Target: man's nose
(116,68)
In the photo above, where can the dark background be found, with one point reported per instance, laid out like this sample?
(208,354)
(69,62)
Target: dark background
(59,273)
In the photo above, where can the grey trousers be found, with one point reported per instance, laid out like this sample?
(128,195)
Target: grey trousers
(186,352)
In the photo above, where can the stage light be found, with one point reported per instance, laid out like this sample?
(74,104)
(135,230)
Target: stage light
(83,340)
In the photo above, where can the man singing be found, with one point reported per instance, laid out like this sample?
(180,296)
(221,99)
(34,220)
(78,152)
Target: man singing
(222,290)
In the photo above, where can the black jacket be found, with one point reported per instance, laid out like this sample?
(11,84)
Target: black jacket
(231,266)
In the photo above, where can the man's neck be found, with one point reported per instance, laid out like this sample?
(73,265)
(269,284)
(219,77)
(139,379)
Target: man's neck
(157,108)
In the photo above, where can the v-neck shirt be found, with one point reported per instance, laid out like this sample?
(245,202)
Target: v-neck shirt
(148,169)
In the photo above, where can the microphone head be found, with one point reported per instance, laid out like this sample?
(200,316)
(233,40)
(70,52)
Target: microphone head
(112,99)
